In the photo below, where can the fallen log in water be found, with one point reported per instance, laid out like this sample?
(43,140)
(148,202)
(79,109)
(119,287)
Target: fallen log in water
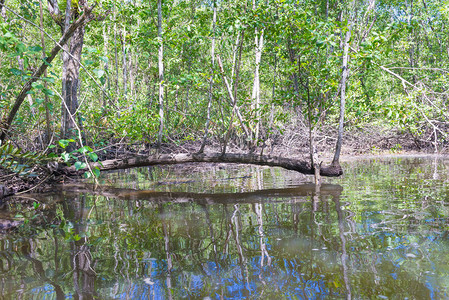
(170,159)
(261,160)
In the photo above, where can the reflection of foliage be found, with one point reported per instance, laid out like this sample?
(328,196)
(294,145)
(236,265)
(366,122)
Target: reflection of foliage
(392,218)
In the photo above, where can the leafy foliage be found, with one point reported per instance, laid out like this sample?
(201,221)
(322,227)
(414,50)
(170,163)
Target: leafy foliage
(18,161)
(398,59)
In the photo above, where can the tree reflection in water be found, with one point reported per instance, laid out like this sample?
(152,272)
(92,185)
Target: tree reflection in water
(300,242)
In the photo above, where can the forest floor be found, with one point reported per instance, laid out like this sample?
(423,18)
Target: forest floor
(370,141)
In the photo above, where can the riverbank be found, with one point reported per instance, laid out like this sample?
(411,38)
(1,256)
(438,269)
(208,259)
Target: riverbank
(293,143)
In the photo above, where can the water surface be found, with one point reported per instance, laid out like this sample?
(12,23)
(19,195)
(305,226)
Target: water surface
(237,232)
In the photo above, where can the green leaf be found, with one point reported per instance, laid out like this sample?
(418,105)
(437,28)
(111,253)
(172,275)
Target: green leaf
(99,72)
(93,156)
(35,48)
(63,143)
(49,79)
(85,149)
(47,63)
(15,71)
(80,165)
(37,85)
(20,48)
(65,156)
(48,92)
(91,50)
(96,172)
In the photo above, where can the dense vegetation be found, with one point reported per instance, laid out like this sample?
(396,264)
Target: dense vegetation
(253,73)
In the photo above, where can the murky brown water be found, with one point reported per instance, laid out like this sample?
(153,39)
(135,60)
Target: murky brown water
(237,232)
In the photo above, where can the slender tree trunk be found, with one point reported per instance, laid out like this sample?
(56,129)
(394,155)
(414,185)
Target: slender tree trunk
(273,93)
(256,90)
(237,63)
(46,100)
(344,78)
(233,94)
(115,52)
(125,68)
(292,55)
(65,57)
(176,97)
(132,73)
(106,85)
(233,101)
(161,73)
(212,56)
(186,102)
(258,44)
(134,70)
(412,40)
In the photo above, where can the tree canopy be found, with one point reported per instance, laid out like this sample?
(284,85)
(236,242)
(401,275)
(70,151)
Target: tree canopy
(251,73)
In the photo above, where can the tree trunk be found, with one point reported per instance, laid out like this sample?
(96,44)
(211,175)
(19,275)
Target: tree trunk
(125,67)
(273,94)
(115,52)
(171,159)
(344,77)
(258,45)
(293,60)
(256,86)
(3,10)
(232,98)
(209,104)
(65,59)
(161,73)
(71,83)
(46,100)
(106,85)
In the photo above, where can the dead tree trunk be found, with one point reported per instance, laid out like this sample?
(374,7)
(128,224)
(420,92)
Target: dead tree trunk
(171,159)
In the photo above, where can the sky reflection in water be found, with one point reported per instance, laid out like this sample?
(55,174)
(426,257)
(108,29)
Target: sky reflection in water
(381,231)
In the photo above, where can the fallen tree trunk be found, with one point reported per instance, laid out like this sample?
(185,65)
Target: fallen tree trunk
(261,160)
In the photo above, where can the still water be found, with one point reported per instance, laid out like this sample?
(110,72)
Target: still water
(236,232)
